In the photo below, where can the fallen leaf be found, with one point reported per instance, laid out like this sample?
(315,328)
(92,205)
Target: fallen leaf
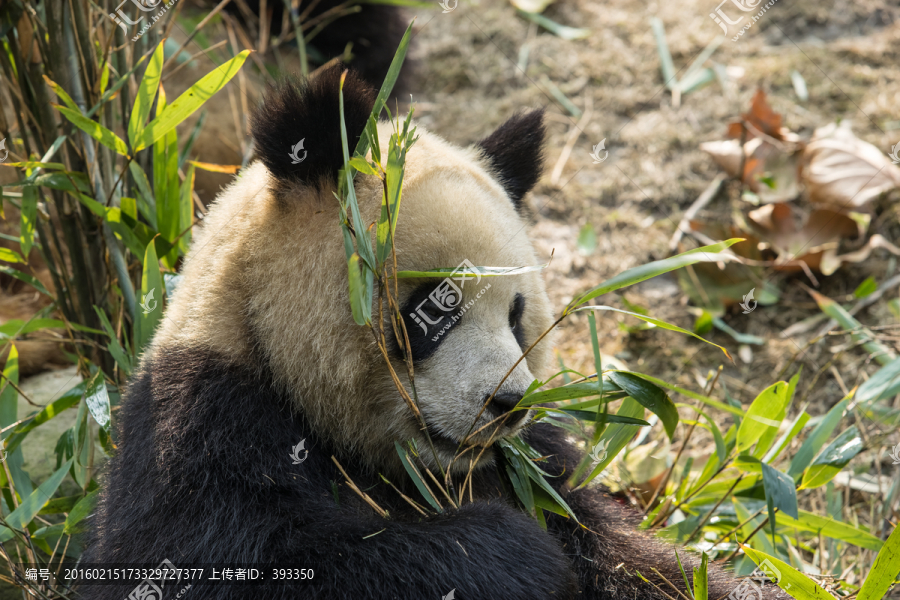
(844,172)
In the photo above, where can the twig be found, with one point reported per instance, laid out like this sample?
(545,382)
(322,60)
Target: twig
(196,30)
(574,133)
(409,500)
(182,65)
(359,492)
(702,200)
(677,591)
(863,303)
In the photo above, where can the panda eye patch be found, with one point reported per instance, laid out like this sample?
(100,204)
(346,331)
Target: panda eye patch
(515,317)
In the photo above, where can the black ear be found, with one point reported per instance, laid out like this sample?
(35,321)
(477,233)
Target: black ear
(515,152)
(297,127)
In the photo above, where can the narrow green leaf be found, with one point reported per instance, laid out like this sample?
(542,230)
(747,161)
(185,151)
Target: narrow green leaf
(84,507)
(652,269)
(145,94)
(66,401)
(563,31)
(361,288)
(704,399)
(817,438)
(764,415)
(95,130)
(616,437)
(833,458)
(28,218)
(362,165)
(10,256)
(568,392)
(884,571)
(882,354)
(701,579)
(657,322)
(30,506)
(186,205)
(417,477)
(885,383)
(150,311)
(866,287)
(780,494)
(829,527)
(30,280)
(787,577)
(482,271)
(192,99)
(665,57)
(650,397)
(362,146)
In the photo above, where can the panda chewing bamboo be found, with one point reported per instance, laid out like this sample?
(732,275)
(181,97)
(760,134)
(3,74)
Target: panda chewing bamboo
(258,350)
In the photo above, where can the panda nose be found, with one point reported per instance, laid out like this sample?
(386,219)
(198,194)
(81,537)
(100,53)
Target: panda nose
(503,403)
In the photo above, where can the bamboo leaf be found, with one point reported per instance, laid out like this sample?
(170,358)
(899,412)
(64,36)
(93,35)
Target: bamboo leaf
(657,322)
(84,507)
(417,478)
(28,218)
(787,577)
(95,130)
(780,493)
(29,279)
(30,506)
(704,399)
(833,458)
(764,415)
(361,288)
(817,438)
(616,436)
(10,256)
(150,311)
(884,571)
(147,89)
(652,269)
(650,397)
(192,99)
(885,383)
(701,579)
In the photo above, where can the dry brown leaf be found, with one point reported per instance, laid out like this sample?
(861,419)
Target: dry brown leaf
(795,236)
(760,119)
(769,171)
(844,172)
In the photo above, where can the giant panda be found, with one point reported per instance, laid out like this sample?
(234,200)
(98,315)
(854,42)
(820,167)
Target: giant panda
(258,351)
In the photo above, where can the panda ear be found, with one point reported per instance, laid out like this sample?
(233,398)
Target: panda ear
(297,127)
(515,153)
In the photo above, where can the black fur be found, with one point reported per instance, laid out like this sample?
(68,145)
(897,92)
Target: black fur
(515,152)
(308,110)
(203,475)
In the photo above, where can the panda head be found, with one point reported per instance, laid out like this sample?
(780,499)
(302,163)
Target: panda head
(269,278)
